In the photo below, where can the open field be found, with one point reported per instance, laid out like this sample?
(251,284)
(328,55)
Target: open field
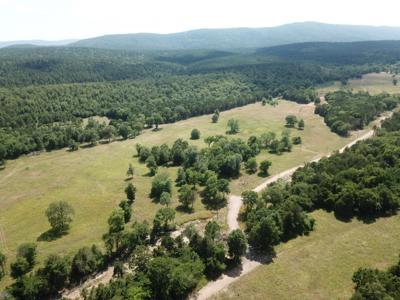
(373,83)
(321,265)
(93,179)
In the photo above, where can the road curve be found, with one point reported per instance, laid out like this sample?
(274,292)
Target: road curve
(235,202)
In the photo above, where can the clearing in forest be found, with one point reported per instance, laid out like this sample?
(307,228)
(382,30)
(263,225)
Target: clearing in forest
(92,180)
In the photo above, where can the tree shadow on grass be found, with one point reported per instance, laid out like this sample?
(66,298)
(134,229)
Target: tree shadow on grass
(184,209)
(51,235)
(262,174)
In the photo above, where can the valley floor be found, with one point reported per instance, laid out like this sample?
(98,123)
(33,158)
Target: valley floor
(92,180)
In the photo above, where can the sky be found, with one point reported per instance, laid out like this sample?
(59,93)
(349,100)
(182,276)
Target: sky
(76,19)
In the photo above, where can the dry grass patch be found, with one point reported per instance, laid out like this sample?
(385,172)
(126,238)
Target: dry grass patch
(321,265)
(374,83)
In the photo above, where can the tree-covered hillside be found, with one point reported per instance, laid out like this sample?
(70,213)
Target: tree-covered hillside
(355,53)
(51,65)
(238,38)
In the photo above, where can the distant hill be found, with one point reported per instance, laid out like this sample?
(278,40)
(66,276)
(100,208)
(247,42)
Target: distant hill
(355,53)
(28,65)
(33,43)
(239,38)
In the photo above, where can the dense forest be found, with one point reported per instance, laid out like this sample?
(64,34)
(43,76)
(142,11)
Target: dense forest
(52,65)
(356,53)
(38,117)
(346,111)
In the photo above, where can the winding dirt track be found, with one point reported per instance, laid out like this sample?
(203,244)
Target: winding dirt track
(251,262)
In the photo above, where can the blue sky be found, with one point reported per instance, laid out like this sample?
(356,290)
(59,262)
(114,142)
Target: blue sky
(64,19)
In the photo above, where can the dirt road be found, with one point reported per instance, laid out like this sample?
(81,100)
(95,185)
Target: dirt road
(249,263)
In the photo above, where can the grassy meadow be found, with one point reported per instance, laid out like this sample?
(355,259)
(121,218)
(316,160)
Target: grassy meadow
(373,83)
(321,265)
(92,180)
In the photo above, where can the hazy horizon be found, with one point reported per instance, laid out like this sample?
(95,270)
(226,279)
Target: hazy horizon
(72,19)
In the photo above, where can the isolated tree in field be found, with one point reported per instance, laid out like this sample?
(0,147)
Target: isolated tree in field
(161,183)
(165,199)
(158,119)
(130,192)
(124,205)
(264,167)
(151,164)
(59,215)
(291,120)
(187,196)
(233,126)
(394,81)
(130,172)
(251,165)
(2,265)
(237,244)
(301,124)
(215,118)
(195,134)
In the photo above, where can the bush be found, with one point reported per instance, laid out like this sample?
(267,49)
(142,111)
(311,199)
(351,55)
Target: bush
(251,165)
(195,134)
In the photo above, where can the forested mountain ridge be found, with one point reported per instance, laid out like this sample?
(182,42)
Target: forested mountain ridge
(237,38)
(365,52)
(53,65)
(22,66)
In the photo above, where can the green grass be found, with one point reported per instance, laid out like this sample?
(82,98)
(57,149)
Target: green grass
(92,180)
(373,83)
(321,265)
